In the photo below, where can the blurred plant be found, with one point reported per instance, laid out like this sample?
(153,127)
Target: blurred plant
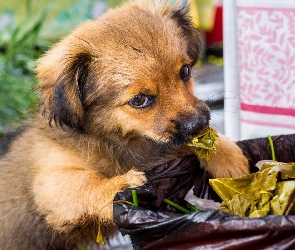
(19,48)
(115,3)
(78,12)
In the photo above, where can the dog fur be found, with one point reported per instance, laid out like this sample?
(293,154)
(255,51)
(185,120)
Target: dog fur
(116,98)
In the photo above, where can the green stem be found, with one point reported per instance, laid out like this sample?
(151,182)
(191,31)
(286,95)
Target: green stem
(180,208)
(273,155)
(134,197)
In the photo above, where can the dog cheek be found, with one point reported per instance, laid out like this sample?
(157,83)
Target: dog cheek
(133,124)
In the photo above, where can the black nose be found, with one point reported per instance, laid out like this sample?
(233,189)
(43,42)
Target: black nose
(190,125)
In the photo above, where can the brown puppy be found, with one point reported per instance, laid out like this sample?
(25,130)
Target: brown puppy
(116,98)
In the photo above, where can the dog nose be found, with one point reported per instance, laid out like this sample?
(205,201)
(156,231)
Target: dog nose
(191,125)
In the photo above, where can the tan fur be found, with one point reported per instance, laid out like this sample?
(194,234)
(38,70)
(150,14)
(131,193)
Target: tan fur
(87,142)
(223,165)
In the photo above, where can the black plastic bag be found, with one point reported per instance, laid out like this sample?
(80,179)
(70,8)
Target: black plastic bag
(155,225)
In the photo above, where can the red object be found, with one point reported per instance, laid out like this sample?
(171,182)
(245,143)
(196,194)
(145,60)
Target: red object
(215,37)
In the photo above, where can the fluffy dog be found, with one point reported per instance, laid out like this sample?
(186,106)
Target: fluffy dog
(116,98)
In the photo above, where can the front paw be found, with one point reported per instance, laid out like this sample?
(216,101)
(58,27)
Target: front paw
(229,160)
(104,204)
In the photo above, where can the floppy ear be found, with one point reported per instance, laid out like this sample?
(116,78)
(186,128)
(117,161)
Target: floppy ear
(63,72)
(182,18)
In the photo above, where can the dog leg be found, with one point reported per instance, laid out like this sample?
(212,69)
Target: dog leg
(89,195)
(228,161)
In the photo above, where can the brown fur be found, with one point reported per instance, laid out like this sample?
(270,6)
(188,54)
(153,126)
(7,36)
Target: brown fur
(87,142)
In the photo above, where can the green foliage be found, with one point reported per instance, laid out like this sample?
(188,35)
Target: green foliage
(78,12)
(69,18)
(19,48)
(115,3)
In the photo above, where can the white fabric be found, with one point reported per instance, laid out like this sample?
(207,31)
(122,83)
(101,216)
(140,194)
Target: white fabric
(265,39)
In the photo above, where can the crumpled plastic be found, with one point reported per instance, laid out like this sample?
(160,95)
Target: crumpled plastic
(257,194)
(156,225)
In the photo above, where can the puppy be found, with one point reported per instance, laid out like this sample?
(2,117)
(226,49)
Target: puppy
(116,98)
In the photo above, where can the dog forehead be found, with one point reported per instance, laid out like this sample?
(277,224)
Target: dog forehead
(139,34)
(132,39)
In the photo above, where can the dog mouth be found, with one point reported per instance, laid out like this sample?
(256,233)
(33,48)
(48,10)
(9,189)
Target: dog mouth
(179,139)
(186,128)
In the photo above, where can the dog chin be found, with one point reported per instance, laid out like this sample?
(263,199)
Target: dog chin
(173,142)
(179,140)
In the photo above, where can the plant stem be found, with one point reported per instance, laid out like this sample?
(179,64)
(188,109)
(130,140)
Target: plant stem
(273,155)
(180,208)
(134,197)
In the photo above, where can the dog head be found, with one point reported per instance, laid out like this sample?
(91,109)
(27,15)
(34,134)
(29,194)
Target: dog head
(126,75)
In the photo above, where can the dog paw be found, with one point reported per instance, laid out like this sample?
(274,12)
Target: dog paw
(134,179)
(229,160)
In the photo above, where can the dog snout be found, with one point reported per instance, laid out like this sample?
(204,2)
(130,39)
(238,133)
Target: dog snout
(193,125)
(190,125)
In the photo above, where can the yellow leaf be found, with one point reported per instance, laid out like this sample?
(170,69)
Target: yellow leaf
(281,195)
(248,195)
(205,143)
(99,237)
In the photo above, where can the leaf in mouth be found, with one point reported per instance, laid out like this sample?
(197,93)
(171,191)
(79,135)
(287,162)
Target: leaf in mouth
(205,143)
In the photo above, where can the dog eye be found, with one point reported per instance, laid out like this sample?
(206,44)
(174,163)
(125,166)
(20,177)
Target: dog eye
(185,73)
(141,101)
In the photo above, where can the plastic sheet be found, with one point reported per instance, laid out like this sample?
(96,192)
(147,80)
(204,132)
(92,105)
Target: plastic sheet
(156,225)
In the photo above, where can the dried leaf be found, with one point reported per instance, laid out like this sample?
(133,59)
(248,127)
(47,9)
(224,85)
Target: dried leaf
(287,170)
(281,196)
(99,236)
(205,143)
(257,194)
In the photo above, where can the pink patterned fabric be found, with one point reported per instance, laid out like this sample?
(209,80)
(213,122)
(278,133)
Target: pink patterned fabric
(266,47)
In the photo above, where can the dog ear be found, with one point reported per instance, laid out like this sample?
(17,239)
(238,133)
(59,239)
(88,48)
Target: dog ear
(182,18)
(63,72)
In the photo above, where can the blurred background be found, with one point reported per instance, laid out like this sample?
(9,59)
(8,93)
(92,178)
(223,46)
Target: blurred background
(235,75)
